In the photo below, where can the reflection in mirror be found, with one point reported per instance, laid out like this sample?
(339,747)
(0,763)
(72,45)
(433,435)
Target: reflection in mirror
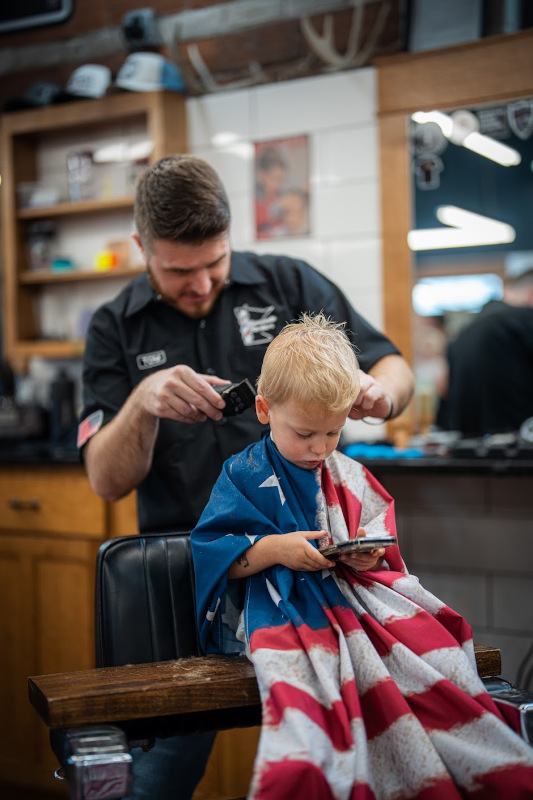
(473,195)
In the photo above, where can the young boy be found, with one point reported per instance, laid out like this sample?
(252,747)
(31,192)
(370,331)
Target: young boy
(368,682)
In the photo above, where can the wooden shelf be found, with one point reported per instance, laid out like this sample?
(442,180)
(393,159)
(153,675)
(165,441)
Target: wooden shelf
(75,275)
(26,138)
(81,207)
(79,115)
(48,348)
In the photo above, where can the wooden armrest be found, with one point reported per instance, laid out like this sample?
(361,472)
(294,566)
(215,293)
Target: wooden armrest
(142,691)
(137,691)
(488,660)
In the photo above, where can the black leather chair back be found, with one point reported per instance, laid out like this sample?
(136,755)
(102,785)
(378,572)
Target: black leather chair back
(145,612)
(145,609)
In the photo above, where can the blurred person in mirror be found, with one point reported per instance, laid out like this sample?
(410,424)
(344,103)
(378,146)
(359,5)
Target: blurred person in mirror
(201,316)
(490,363)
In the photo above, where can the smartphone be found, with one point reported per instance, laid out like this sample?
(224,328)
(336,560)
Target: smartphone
(360,545)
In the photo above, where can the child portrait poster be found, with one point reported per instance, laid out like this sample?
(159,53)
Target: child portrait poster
(281,170)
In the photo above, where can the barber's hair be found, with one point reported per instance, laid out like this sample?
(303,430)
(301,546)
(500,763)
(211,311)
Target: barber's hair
(180,198)
(312,363)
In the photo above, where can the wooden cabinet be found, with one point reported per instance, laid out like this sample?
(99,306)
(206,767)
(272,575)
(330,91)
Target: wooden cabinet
(51,525)
(27,138)
(229,769)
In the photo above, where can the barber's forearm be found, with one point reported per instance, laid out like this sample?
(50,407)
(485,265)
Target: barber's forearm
(119,456)
(396,377)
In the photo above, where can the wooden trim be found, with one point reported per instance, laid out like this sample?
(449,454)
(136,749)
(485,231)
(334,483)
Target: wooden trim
(490,70)
(486,71)
(396,222)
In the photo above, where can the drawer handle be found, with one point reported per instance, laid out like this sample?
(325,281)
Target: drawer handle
(24,505)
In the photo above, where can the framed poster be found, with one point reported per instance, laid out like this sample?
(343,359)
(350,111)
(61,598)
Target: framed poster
(282,188)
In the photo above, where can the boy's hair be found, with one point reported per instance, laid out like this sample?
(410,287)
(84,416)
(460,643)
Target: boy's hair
(180,198)
(311,362)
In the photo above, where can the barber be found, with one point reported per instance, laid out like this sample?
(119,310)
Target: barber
(201,316)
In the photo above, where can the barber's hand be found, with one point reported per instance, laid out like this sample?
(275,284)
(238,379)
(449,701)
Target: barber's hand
(295,551)
(372,401)
(363,561)
(182,394)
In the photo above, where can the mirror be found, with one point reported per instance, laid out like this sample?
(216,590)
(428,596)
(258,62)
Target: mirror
(472,190)
(485,74)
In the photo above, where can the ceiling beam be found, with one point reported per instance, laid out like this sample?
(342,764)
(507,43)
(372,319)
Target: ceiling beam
(237,16)
(225,18)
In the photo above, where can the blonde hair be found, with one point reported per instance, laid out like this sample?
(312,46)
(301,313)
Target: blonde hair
(311,362)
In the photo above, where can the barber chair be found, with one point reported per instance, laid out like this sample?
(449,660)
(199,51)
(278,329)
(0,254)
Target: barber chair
(144,612)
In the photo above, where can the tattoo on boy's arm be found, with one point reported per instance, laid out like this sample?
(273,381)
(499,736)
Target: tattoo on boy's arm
(242,561)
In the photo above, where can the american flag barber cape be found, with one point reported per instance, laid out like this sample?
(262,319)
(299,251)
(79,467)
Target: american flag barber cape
(368,682)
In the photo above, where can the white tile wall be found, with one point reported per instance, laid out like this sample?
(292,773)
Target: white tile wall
(314,104)
(338,113)
(216,114)
(347,154)
(347,210)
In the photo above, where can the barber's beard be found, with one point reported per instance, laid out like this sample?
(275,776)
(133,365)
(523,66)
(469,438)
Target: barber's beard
(152,281)
(183,307)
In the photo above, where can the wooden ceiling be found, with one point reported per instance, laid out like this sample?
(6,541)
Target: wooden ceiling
(344,35)
(296,47)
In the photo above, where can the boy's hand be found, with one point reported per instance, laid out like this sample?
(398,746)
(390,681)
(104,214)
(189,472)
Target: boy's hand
(362,562)
(296,552)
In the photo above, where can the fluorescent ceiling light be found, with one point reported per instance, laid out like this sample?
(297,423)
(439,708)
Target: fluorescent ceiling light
(490,148)
(477,142)
(467,229)
(444,121)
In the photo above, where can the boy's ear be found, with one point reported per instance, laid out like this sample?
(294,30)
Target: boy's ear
(262,409)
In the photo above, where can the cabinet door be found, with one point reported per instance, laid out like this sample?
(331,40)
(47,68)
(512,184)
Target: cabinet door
(46,626)
(229,770)
(56,500)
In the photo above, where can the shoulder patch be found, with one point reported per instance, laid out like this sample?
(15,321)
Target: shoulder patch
(89,426)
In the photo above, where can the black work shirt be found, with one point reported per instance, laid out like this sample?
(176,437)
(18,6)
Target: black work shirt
(136,334)
(491,371)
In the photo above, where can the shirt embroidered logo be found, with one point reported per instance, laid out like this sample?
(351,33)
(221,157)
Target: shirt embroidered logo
(149,360)
(257,325)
